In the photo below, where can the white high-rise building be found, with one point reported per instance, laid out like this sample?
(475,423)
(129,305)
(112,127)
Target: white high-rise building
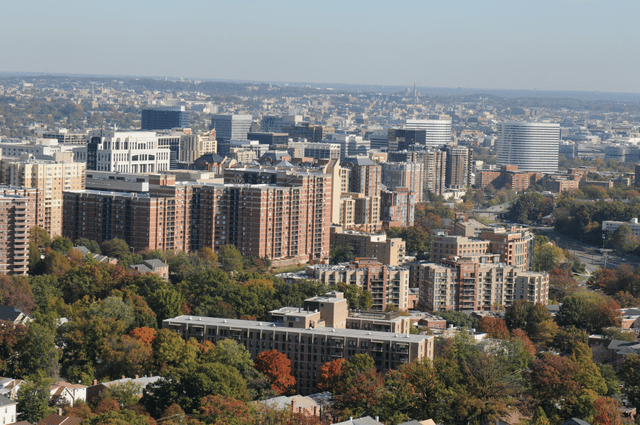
(530,146)
(438,132)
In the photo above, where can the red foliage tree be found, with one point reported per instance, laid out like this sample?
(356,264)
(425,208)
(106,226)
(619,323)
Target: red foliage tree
(607,412)
(494,327)
(330,375)
(16,292)
(277,368)
(220,410)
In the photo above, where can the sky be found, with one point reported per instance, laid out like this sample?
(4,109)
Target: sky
(583,45)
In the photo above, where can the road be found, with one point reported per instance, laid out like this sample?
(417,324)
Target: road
(591,256)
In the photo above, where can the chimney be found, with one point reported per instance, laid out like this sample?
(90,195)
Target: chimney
(136,376)
(123,377)
(293,406)
(95,382)
(60,411)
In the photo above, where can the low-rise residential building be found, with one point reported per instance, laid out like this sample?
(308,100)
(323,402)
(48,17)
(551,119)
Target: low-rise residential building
(611,226)
(373,245)
(307,348)
(7,410)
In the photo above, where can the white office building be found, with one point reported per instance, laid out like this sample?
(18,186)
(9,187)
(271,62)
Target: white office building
(530,146)
(124,152)
(437,132)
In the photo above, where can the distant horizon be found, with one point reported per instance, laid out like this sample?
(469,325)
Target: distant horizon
(372,87)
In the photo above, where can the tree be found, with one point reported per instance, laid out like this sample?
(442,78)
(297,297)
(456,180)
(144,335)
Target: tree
(459,319)
(539,418)
(62,245)
(623,240)
(590,311)
(553,383)
(494,327)
(330,375)
(33,398)
(357,298)
(547,257)
(16,292)
(630,374)
(277,367)
(117,248)
(341,254)
(607,412)
(230,259)
(220,410)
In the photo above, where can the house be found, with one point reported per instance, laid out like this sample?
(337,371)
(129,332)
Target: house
(9,387)
(311,405)
(7,410)
(98,257)
(367,420)
(98,388)
(67,393)
(154,266)
(14,315)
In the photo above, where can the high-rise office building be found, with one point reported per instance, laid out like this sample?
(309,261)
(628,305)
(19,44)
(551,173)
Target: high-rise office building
(231,127)
(313,133)
(437,132)
(164,118)
(530,146)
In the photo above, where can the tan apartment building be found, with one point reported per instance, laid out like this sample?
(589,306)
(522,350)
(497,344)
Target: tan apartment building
(468,284)
(17,217)
(514,245)
(389,251)
(193,146)
(50,178)
(305,337)
(387,284)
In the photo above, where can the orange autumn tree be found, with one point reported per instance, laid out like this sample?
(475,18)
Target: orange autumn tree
(144,334)
(330,375)
(277,368)
(494,327)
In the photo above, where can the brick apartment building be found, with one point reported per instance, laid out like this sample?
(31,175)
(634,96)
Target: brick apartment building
(280,214)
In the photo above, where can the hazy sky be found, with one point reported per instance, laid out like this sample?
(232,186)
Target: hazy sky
(512,44)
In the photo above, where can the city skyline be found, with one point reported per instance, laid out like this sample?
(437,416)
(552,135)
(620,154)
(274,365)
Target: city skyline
(581,45)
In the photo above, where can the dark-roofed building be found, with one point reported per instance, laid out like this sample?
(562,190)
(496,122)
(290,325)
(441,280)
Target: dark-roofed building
(60,420)
(14,315)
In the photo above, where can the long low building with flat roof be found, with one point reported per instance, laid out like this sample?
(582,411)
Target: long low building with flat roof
(307,348)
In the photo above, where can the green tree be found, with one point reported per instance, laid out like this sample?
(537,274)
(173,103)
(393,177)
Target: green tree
(341,254)
(623,240)
(117,248)
(357,298)
(33,398)
(230,259)
(630,376)
(540,418)
(62,245)
(547,257)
